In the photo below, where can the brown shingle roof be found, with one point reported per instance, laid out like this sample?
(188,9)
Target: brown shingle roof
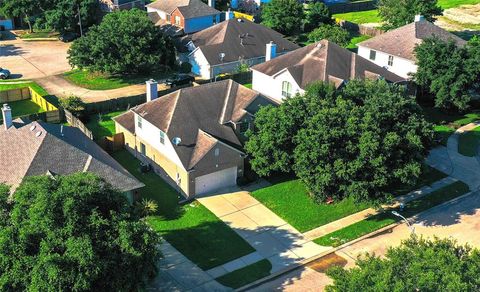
(37,148)
(206,109)
(188,8)
(225,38)
(401,42)
(324,61)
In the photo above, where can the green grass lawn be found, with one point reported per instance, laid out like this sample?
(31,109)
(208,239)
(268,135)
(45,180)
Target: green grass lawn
(99,81)
(469,142)
(369,16)
(39,34)
(248,85)
(102,125)
(291,201)
(381,220)
(352,46)
(24,107)
(446,4)
(192,229)
(246,275)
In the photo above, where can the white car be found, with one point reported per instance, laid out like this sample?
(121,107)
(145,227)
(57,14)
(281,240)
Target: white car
(4,73)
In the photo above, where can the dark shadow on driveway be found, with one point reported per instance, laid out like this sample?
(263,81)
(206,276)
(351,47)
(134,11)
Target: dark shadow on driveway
(10,50)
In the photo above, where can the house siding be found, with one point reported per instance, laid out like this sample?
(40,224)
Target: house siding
(272,86)
(192,25)
(402,67)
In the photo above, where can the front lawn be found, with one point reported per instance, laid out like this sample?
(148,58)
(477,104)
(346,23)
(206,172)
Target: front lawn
(100,81)
(102,125)
(246,275)
(291,201)
(381,220)
(469,142)
(369,16)
(43,34)
(192,229)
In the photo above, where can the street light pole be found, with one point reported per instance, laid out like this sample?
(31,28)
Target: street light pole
(412,229)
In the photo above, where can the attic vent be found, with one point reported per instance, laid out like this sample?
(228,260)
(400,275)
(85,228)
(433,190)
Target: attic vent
(38,134)
(319,45)
(32,127)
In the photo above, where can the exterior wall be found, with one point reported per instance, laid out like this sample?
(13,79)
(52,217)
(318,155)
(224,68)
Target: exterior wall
(272,86)
(402,67)
(200,23)
(176,13)
(227,158)
(7,23)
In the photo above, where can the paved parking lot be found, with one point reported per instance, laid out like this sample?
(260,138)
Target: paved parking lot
(34,59)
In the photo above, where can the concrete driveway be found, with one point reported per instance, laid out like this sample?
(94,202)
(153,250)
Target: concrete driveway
(34,59)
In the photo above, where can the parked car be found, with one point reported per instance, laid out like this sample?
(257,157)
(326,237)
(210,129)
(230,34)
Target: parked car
(180,79)
(4,73)
(68,37)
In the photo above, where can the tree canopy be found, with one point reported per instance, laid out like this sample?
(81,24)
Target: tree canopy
(72,233)
(333,33)
(125,42)
(416,265)
(317,14)
(398,13)
(284,16)
(349,143)
(451,74)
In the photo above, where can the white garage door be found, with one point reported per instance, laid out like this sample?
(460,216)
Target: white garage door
(215,181)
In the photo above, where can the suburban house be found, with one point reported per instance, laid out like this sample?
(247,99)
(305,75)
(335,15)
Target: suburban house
(183,16)
(289,74)
(193,136)
(36,148)
(223,47)
(7,23)
(114,5)
(394,50)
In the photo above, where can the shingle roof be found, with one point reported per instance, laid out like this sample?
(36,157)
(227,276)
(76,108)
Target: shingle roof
(324,61)
(199,115)
(225,38)
(37,148)
(401,42)
(188,8)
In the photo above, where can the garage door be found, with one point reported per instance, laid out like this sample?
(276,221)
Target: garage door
(215,181)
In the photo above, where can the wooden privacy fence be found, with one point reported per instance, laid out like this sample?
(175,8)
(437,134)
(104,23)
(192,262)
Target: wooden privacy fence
(360,28)
(75,122)
(352,6)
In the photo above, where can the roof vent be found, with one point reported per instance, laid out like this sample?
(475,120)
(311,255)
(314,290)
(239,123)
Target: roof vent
(221,56)
(38,134)
(319,45)
(239,20)
(32,127)
(176,141)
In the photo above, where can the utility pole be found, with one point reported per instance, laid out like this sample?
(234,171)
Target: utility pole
(80,20)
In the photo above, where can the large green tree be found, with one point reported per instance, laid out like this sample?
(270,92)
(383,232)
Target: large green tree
(25,9)
(317,14)
(72,233)
(63,16)
(333,33)
(284,16)
(354,142)
(397,13)
(124,42)
(416,265)
(450,73)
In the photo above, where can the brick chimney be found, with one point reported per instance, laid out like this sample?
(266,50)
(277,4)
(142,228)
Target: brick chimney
(271,51)
(7,116)
(152,90)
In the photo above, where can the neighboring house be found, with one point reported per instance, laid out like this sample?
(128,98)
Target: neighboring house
(193,136)
(183,16)
(223,47)
(6,22)
(394,50)
(114,5)
(289,74)
(36,148)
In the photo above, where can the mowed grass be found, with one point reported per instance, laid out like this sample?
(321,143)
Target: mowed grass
(369,16)
(446,4)
(246,275)
(290,200)
(381,220)
(352,46)
(102,125)
(469,142)
(192,229)
(23,107)
(39,34)
(100,81)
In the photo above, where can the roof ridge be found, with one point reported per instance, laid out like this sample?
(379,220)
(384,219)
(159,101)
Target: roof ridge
(172,112)
(225,101)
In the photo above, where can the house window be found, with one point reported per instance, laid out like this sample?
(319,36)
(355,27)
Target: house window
(178,179)
(244,127)
(177,20)
(162,137)
(214,19)
(217,152)
(286,89)
(139,122)
(390,60)
(143,149)
(168,18)
(373,55)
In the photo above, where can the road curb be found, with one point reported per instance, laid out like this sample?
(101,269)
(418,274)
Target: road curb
(372,234)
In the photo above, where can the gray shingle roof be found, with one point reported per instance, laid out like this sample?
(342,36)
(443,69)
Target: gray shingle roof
(324,61)
(35,148)
(225,38)
(401,42)
(202,110)
(188,8)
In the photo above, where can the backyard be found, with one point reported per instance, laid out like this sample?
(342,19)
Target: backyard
(192,229)
(102,125)
(291,201)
